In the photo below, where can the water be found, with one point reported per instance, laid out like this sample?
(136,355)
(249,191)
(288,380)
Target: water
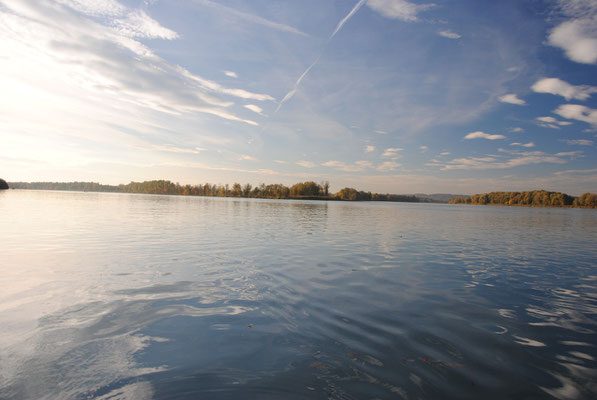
(118,296)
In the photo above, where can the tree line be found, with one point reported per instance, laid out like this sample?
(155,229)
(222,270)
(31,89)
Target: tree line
(533,198)
(303,190)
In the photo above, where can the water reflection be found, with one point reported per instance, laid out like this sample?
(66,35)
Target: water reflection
(132,296)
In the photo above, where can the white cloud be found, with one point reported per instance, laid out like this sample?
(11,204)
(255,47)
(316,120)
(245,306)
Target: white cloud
(137,24)
(364,164)
(483,135)
(306,164)
(449,34)
(245,157)
(423,148)
(444,153)
(388,166)
(551,122)
(529,144)
(174,149)
(391,152)
(231,74)
(342,166)
(96,7)
(579,142)
(369,149)
(250,17)
(512,98)
(561,88)
(493,162)
(254,108)
(578,112)
(381,132)
(280,161)
(398,9)
(578,39)
(517,129)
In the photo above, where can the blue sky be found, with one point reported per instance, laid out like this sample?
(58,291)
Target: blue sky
(383,95)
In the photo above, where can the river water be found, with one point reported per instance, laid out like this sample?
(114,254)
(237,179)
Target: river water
(125,296)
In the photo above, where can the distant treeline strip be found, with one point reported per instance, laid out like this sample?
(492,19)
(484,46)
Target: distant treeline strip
(303,190)
(533,198)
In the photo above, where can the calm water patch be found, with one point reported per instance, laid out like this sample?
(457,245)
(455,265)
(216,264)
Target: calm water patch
(121,296)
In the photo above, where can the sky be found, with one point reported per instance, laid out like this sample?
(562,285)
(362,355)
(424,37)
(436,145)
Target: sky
(390,96)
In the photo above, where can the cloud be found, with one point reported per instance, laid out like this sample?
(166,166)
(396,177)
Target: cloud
(381,132)
(517,129)
(578,112)
(364,164)
(483,135)
(578,39)
(96,62)
(423,148)
(174,149)
(306,164)
(551,122)
(388,166)
(231,74)
(512,98)
(137,24)
(444,153)
(369,149)
(398,9)
(95,8)
(449,34)
(529,144)
(245,157)
(561,88)
(251,17)
(579,142)
(391,152)
(254,108)
(342,166)
(494,162)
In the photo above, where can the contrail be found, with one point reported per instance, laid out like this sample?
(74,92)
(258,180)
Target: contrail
(304,74)
(350,14)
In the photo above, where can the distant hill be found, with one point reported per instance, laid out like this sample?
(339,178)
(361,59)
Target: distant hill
(3,184)
(439,197)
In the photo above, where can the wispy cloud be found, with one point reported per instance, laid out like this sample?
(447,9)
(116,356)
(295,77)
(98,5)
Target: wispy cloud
(391,152)
(369,149)
(254,108)
(493,162)
(561,88)
(516,129)
(512,98)
(231,74)
(398,9)
(529,144)
(342,166)
(174,149)
(251,17)
(449,34)
(137,24)
(578,112)
(578,142)
(483,135)
(306,164)
(551,122)
(423,148)
(388,166)
(245,157)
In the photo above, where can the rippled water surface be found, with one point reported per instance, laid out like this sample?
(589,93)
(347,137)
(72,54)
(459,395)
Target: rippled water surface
(117,296)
